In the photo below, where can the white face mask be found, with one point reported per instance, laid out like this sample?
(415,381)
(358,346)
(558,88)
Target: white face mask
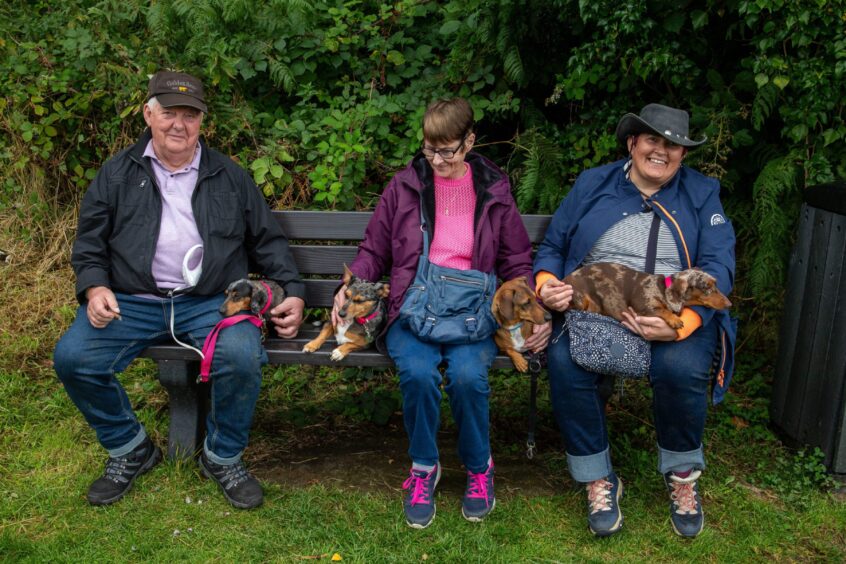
(191,276)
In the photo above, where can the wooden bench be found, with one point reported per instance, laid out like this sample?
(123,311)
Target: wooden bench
(321,241)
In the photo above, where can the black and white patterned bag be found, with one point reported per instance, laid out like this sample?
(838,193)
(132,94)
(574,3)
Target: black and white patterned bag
(601,344)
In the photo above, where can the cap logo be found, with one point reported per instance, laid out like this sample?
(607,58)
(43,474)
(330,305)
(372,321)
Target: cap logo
(183,89)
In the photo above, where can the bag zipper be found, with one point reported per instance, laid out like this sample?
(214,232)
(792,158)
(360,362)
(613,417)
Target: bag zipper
(460,281)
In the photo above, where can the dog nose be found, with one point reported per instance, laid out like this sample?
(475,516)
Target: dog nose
(547,316)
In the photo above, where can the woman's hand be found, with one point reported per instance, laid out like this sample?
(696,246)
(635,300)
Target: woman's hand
(650,328)
(337,304)
(556,295)
(539,338)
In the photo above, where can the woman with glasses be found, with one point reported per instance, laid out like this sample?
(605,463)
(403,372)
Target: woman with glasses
(471,222)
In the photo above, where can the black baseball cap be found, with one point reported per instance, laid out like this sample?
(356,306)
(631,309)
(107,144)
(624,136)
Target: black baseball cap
(177,89)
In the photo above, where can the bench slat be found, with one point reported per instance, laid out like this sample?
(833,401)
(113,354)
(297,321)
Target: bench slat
(323,259)
(349,226)
(314,225)
(290,352)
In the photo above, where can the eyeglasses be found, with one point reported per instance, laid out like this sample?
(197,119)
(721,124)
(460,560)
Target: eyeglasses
(445,154)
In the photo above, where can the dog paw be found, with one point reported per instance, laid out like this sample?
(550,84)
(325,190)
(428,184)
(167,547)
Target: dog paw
(677,324)
(337,355)
(521,364)
(309,348)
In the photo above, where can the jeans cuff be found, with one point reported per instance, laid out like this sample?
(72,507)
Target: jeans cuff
(217,459)
(671,461)
(589,467)
(130,446)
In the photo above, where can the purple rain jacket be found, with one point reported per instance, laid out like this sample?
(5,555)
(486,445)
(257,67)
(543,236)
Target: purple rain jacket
(393,240)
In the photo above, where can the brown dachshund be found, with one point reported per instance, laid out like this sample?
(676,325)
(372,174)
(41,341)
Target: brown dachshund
(517,311)
(245,294)
(610,289)
(364,313)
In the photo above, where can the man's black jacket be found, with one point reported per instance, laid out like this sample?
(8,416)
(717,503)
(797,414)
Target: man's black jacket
(121,213)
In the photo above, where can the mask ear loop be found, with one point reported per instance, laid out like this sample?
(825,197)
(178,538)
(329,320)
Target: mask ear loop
(191,276)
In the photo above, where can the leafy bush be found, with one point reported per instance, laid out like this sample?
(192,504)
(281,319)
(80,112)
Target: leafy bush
(322,100)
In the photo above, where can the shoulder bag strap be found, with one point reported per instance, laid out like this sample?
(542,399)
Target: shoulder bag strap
(652,244)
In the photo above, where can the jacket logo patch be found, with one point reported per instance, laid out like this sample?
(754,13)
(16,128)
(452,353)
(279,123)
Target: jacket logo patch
(717,219)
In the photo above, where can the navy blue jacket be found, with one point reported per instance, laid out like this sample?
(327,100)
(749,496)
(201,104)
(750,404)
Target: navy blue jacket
(690,206)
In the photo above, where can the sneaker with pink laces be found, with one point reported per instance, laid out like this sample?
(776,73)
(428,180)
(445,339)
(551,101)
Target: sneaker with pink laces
(685,504)
(604,515)
(418,503)
(479,497)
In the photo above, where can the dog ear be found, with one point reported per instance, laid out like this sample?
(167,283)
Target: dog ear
(382,290)
(506,304)
(348,275)
(677,292)
(258,298)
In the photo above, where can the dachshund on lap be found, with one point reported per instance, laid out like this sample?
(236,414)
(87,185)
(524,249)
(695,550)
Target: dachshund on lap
(610,289)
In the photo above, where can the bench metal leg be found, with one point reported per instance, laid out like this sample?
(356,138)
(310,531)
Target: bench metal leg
(187,407)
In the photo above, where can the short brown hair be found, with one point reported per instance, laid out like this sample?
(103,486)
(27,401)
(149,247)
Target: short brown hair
(447,120)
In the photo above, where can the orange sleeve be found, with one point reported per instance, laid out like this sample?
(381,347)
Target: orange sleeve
(540,278)
(692,322)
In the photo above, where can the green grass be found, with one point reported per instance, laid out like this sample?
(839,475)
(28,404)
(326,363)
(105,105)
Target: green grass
(762,501)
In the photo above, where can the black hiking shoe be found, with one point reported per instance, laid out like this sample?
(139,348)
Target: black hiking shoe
(121,471)
(239,487)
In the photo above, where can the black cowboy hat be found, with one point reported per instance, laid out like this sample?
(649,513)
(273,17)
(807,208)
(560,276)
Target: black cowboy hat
(669,123)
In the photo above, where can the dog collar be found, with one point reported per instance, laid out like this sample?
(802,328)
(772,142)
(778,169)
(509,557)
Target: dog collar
(668,281)
(269,298)
(372,316)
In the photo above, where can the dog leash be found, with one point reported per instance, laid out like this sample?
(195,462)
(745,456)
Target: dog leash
(211,339)
(535,365)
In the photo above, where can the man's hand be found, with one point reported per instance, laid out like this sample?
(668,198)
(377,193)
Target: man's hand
(650,328)
(556,295)
(288,316)
(539,338)
(102,306)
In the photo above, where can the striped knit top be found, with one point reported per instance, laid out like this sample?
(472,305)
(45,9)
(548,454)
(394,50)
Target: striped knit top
(625,243)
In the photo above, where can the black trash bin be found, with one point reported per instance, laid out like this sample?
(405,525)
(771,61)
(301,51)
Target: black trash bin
(809,392)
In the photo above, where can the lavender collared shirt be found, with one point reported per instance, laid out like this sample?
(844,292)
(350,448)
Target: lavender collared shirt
(178,231)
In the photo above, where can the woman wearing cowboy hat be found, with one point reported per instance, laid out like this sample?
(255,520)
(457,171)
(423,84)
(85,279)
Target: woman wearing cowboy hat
(614,213)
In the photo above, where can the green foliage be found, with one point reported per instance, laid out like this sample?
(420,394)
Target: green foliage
(322,100)
(792,477)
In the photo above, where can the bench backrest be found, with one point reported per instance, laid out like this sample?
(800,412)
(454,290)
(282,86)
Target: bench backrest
(323,241)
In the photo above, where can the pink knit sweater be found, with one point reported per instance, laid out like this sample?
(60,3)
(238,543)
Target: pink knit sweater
(455,203)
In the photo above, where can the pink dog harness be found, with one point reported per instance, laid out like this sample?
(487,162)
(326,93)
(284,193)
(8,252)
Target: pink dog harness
(211,339)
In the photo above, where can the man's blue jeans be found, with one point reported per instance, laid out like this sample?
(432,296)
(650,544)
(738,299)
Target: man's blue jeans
(467,388)
(679,375)
(86,360)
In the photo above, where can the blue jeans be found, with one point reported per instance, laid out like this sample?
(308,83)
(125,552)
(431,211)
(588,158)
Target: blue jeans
(467,388)
(86,360)
(679,376)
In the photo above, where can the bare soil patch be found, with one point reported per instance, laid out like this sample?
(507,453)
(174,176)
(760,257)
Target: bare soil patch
(374,459)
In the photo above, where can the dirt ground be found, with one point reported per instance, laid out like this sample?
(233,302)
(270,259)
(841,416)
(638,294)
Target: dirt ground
(374,459)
